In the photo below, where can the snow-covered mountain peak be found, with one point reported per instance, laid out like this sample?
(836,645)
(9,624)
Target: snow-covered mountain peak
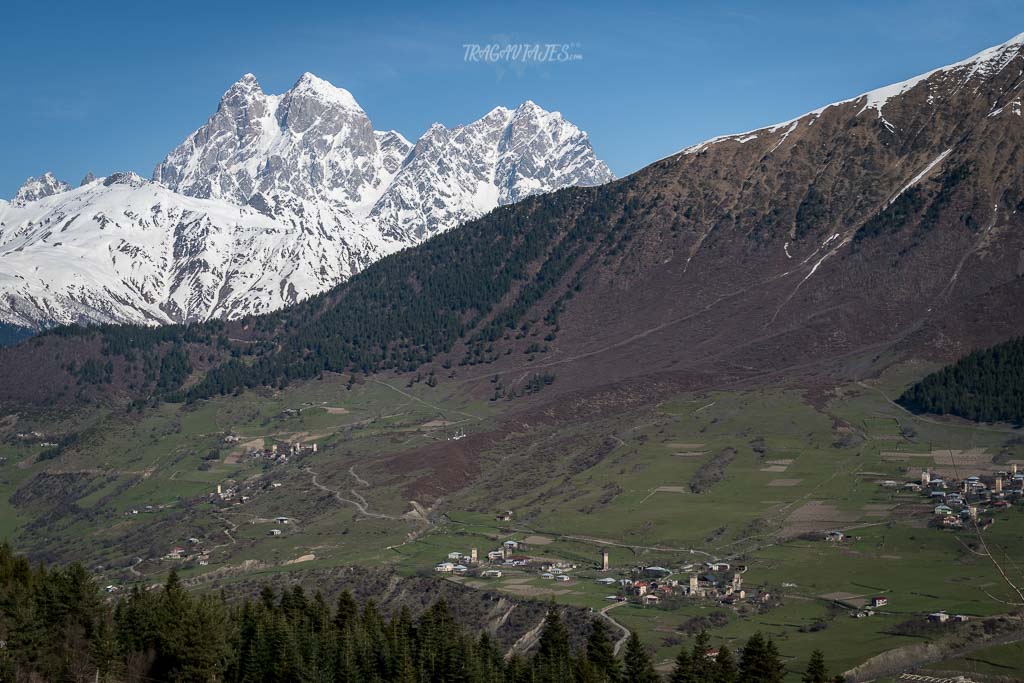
(37,188)
(243,91)
(273,199)
(310,85)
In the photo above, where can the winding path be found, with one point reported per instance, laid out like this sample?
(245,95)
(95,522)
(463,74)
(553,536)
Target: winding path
(359,504)
(622,629)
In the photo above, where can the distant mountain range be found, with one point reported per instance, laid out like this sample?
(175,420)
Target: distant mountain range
(275,198)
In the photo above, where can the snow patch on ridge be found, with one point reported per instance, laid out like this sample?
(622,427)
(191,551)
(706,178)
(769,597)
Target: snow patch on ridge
(986,63)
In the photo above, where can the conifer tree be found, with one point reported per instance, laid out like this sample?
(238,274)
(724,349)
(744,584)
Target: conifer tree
(600,652)
(725,666)
(638,665)
(682,672)
(553,661)
(760,662)
(816,671)
(702,666)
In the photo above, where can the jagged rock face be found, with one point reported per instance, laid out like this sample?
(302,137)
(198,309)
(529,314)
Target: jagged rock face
(315,148)
(314,142)
(453,175)
(301,192)
(37,188)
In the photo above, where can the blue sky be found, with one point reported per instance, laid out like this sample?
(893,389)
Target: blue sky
(114,86)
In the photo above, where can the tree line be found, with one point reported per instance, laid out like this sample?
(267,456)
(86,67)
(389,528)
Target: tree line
(984,386)
(55,625)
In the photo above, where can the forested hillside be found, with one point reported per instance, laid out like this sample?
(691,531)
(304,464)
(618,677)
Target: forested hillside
(985,386)
(398,314)
(55,625)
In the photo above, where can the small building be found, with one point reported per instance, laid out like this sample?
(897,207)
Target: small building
(495,555)
(938,617)
(834,536)
(444,567)
(281,520)
(961,618)
(460,569)
(658,572)
(275,532)
(491,574)
(511,545)
(607,581)
(650,599)
(562,577)
(879,601)
(455,555)
(547,575)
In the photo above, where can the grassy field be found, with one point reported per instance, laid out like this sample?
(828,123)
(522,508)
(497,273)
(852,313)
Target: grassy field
(742,476)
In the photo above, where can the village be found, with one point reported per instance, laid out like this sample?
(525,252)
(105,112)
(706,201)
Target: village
(231,493)
(649,586)
(972,500)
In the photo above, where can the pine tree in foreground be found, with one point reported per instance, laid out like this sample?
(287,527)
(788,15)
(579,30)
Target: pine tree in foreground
(682,671)
(816,671)
(725,666)
(600,653)
(760,661)
(638,665)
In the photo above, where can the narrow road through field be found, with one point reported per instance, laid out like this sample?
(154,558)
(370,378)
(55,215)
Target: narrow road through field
(359,504)
(622,629)
(426,403)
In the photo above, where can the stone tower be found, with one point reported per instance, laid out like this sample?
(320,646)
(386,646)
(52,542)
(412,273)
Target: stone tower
(604,560)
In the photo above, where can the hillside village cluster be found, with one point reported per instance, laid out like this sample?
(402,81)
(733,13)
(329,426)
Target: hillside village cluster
(231,493)
(648,585)
(969,500)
